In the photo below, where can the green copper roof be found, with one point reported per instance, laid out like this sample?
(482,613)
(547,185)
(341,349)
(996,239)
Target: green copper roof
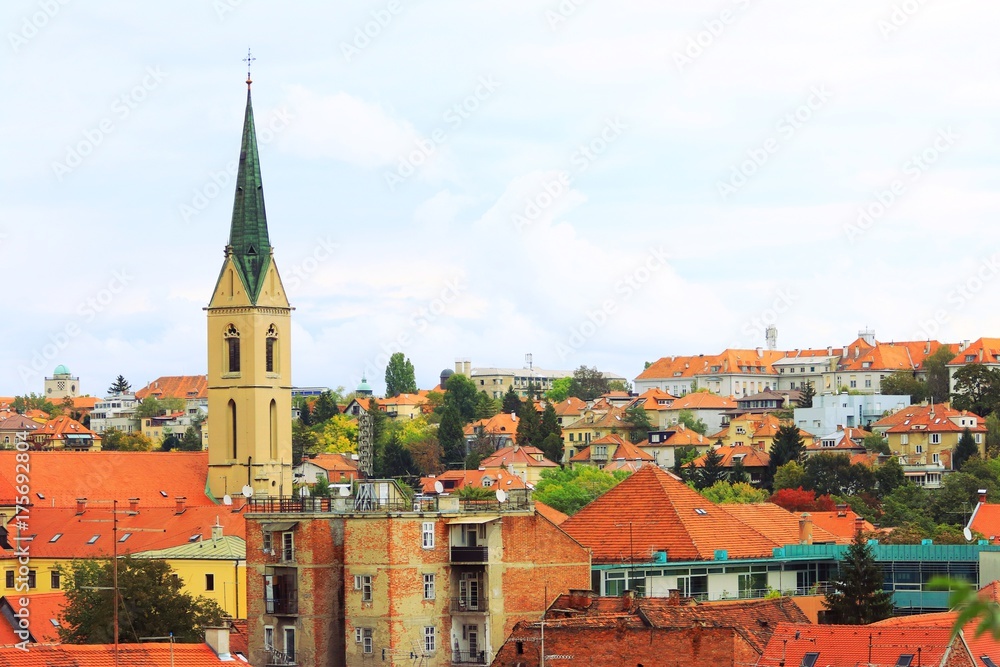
(248,235)
(227,547)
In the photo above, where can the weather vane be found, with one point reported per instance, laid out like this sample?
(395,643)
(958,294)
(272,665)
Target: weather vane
(249,61)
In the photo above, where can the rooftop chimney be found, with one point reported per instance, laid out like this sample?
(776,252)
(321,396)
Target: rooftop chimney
(179,507)
(842,509)
(218,640)
(982,496)
(133,505)
(805,529)
(81,505)
(859,524)
(217,530)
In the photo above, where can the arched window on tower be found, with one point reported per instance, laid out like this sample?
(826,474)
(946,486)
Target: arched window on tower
(232,427)
(274,430)
(232,349)
(271,350)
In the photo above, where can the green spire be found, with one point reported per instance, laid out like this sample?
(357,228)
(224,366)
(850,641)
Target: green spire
(248,242)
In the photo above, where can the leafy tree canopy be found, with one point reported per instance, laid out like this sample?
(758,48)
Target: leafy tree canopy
(977,389)
(588,383)
(153,407)
(687,418)
(399,376)
(569,489)
(462,395)
(723,492)
(802,500)
(560,390)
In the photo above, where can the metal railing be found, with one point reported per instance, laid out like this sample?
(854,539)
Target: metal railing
(286,604)
(469,657)
(278,658)
(518,500)
(468,603)
(470,554)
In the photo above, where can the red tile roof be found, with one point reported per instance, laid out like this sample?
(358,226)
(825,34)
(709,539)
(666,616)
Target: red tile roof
(42,608)
(665,515)
(161,528)
(550,513)
(335,463)
(703,400)
(852,645)
(60,427)
(932,419)
(62,477)
(515,455)
(572,406)
(176,386)
(502,423)
(986,522)
(681,436)
(102,655)
(618,449)
(778,524)
(983,351)
(843,524)
(751,457)
(453,480)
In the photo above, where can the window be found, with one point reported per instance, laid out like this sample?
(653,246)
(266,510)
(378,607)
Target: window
(904,660)
(233,349)
(920,449)
(93,539)
(55,580)
(868,382)
(9,579)
(753,585)
(935,458)
(854,384)
(904,439)
(363,583)
(269,347)
(268,638)
(979,438)
(31,579)
(366,640)
(289,634)
(809,659)
(58,535)
(935,438)
(429,639)
(287,546)
(209,582)
(266,543)
(428,535)
(428,586)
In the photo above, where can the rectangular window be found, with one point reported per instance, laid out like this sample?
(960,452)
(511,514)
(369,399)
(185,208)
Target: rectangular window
(268,638)
(289,644)
(287,546)
(9,579)
(366,640)
(233,345)
(55,580)
(357,635)
(429,639)
(209,582)
(269,355)
(266,543)
(979,438)
(935,458)
(935,438)
(753,585)
(904,439)
(31,579)
(428,535)
(363,583)
(920,449)
(428,586)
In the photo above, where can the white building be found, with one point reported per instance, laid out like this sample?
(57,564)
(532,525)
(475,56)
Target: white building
(115,411)
(832,411)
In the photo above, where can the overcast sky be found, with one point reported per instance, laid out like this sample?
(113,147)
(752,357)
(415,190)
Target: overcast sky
(593,182)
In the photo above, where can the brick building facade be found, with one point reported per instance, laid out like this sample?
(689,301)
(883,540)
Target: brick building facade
(334,582)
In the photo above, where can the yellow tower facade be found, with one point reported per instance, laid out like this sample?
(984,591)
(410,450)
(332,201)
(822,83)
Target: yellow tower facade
(249,349)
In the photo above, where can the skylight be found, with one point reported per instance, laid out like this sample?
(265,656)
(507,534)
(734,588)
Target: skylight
(55,537)
(700,512)
(93,539)
(124,537)
(988,661)
(904,660)
(163,493)
(54,622)
(41,496)
(809,659)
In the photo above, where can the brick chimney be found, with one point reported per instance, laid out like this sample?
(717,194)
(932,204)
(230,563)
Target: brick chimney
(81,505)
(859,524)
(133,505)
(982,496)
(842,509)
(805,529)
(179,507)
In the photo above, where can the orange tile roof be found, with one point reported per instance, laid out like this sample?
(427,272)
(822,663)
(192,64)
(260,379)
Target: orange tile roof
(852,645)
(176,386)
(665,514)
(986,521)
(703,400)
(161,528)
(778,524)
(402,399)
(334,462)
(550,513)
(60,427)
(516,455)
(84,403)
(984,644)
(499,423)
(618,447)
(918,412)
(612,419)
(62,477)
(984,351)
(752,457)
(841,523)
(453,480)
(102,655)
(43,608)
(680,436)
(933,419)
(572,406)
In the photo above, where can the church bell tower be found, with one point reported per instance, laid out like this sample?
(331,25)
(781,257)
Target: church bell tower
(249,349)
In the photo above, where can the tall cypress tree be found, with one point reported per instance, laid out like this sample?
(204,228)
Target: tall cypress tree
(451,435)
(550,422)
(787,446)
(965,450)
(711,472)
(529,425)
(511,401)
(856,597)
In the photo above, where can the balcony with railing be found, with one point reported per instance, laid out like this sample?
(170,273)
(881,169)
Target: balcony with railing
(478,554)
(469,658)
(282,605)
(517,500)
(469,604)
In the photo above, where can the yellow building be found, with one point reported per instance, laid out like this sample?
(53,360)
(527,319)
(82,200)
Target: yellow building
(591,426)
(249,348)
(754,430)
(924,438)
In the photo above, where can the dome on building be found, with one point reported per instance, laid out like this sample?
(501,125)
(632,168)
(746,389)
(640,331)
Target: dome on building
(445,374)
(61,370)
(364,389)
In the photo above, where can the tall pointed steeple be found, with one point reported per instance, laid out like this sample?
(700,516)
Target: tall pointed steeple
(248,241)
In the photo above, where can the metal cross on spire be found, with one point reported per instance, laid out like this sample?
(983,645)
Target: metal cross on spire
(249,61)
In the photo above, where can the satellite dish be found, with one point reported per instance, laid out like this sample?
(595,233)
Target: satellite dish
(227,499)
(438,487)
(247,491)
(967,533)
(344,491)
(501,496)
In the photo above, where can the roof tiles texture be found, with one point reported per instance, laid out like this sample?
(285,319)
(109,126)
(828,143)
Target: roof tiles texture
(852,645)
(176,386)
(102,655)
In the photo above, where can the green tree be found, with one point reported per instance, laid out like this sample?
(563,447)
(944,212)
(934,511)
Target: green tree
(115,440)
(304,443)
(511,401)
(395,460)
(153,407)
(789,476)
(32,401)
(712,471)
(588,384)
(889,477)
(965,450)
(151,603)
(907,504)
(620,385)
(834,474)
(904,383)
(399,376)
(529,425)
(977,389)
(326,407)
(550,423)
(856,597)
(954,501)
(336,435)
(683,455)
(687,418)
(120,386)
(486,407)
(560,390)
(738,473)
(787,446)
(170,442)
(806,396)
(461,394)
(875,442)
(451,435)
(938,375)
(569,489)
(734,493)
(305,414)
(992,424)
(552,447)
(321,488)
(636,421)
